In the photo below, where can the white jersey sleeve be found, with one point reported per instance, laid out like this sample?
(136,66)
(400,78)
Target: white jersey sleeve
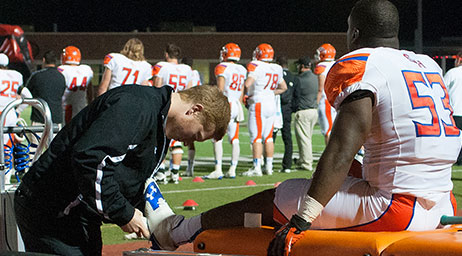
(413,140)
(126,71)
(453,80)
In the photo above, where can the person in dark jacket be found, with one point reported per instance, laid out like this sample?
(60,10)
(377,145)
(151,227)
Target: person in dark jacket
(292,81)
(48,84)
(96,167)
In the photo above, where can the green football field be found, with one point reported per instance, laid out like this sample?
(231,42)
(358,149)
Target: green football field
(212,193)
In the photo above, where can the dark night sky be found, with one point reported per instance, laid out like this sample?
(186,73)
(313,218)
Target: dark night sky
(440,18)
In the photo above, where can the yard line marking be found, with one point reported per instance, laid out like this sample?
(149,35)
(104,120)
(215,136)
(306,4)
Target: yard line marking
(216,188)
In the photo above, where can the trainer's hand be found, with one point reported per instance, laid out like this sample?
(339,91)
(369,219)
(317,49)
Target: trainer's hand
(137,224)
(287,236)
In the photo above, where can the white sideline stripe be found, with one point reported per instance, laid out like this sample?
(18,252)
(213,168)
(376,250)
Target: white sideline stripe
(216,188)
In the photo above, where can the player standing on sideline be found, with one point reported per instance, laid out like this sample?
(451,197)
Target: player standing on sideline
(78,79)
(10,81)
(196,80)
(453,80)
(178,76)
(127,67)
(411,144)
(325,58)
(264,80)
(230,79)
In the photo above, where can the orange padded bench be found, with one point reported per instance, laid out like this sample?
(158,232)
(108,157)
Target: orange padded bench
(254,241)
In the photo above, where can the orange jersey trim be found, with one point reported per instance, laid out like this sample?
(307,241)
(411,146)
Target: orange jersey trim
(220,69)
(344,72)
(259,123)
(396,217)
(251,67)
(328,116)
(454,203)
(107,59)
(156,69)
(319,69)
(270,135)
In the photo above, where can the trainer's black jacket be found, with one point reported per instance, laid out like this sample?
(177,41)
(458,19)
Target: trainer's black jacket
(101,159)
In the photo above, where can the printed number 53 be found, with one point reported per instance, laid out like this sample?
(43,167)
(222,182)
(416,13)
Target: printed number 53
(427,101)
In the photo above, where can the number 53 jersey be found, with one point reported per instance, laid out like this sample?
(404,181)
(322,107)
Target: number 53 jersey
(413,140)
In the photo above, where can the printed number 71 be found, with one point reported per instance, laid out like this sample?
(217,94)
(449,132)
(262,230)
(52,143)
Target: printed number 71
(427,101)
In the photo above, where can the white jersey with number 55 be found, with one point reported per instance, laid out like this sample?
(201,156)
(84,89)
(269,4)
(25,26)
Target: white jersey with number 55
(175,75)
(413,141)
(267,78)
(125,70)
(234,75)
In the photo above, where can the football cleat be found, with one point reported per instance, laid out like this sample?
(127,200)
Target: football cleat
(325,52)
(175,178)
(253,172)
(230,51)
(231,172)
(157,211)
(269,172)
(263,52)
(71,55)
(161,177)
(217,175)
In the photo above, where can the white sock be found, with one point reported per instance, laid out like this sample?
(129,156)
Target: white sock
(235,153)
(257,163)
(269,163)
(191,156)
(218,151)
(187,230)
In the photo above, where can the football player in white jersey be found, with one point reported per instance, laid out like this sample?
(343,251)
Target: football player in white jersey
(264,81)
(127,67)
(78,79)
(395,103)
(10,81)
(230,79)
(171,73)
(325,58)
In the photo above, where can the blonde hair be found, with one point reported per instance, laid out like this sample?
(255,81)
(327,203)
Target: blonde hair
(134,49)
(216,112)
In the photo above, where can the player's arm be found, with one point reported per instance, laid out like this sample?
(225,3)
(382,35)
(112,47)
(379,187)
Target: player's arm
(352,124)
(105,80)
(189,85)
(158,81)
(282,87)
(321,80)
(221,83)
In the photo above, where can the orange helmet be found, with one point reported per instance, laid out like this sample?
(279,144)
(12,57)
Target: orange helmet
(230,51)
(325,52)
(263,52)
(71,55)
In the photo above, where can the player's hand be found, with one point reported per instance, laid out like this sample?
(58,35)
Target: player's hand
(245,100)
(287,236)
(137,224)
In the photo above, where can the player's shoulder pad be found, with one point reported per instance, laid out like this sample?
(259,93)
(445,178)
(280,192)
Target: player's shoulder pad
(346,71)
(220,68)
(252,66)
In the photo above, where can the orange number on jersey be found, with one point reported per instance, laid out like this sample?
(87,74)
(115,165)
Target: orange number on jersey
(236,82)
(74,86)
(173,81)
(428,101)
(272,80)
(10,90)
(182,83)
(129,71)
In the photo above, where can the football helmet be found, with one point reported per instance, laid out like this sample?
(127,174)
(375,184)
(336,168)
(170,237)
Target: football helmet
(71,55)
(263,52)
(325,52)
(230,51)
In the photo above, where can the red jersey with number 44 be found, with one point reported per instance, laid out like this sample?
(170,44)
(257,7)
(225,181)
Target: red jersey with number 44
(267,78)
(125,70)
(413,140)
(234,75)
